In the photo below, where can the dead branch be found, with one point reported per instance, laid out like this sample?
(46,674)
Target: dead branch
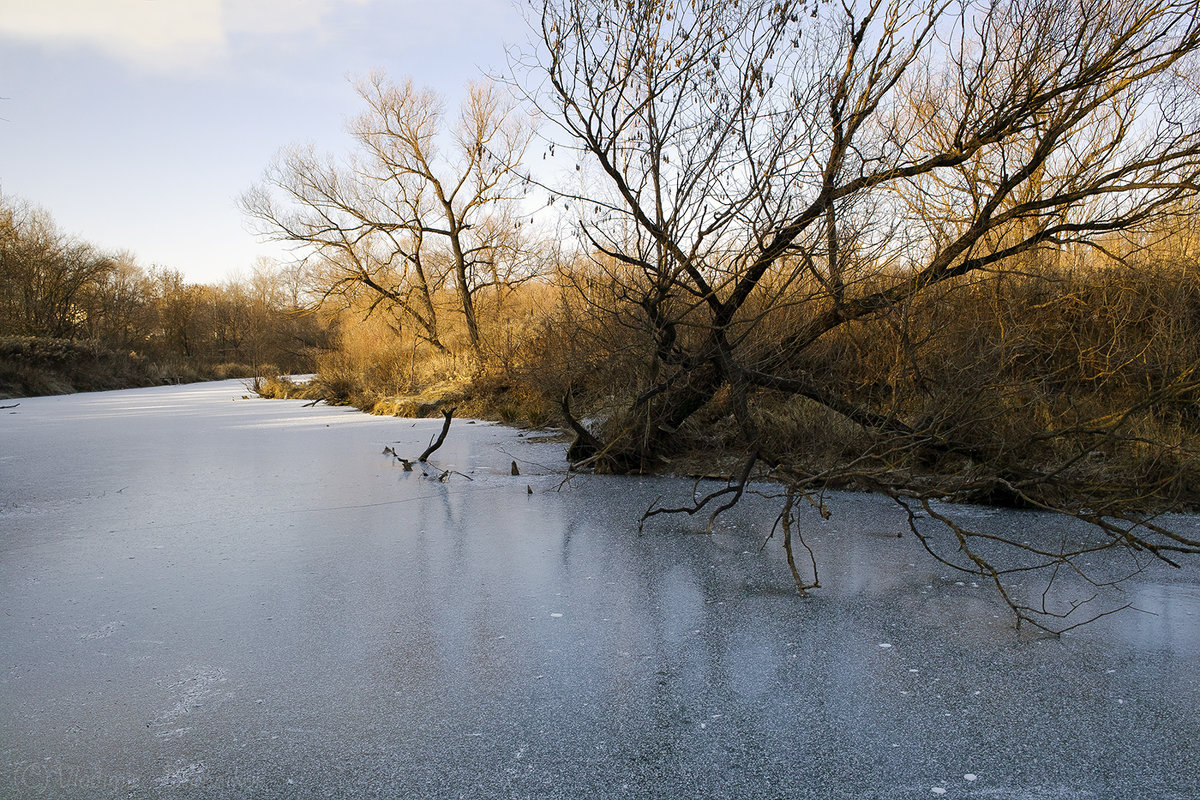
(1048,563)
(434,445)
(784,521)
(585,445)
(735,489)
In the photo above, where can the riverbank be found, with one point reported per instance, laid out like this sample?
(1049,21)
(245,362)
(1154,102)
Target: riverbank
(37,366)
(825,450)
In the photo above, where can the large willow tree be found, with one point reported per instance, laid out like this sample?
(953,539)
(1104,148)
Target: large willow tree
(802,168)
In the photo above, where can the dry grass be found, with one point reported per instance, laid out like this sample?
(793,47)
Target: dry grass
(1085,372)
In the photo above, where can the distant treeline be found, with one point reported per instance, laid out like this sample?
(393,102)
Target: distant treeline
(74,317)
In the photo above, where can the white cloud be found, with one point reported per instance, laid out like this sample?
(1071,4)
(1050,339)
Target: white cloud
(161,35)
(149,33)
(281,16)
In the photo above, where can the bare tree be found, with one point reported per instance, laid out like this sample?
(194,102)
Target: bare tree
(797,168)
(415,212)
(352,242)
(44,274)
(180,323)
(119,308)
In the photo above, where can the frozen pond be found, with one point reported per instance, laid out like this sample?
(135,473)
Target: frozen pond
(205,596)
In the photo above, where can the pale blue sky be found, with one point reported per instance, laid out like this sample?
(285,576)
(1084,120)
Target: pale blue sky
(137,123)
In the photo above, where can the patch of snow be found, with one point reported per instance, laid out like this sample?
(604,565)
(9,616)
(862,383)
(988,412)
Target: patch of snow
(104,632)
(181,776)
(173,734)
(194,690)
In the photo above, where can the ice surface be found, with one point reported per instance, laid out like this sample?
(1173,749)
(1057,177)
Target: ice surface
(210,597)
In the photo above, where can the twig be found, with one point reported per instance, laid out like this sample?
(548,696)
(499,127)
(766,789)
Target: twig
(442,474)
